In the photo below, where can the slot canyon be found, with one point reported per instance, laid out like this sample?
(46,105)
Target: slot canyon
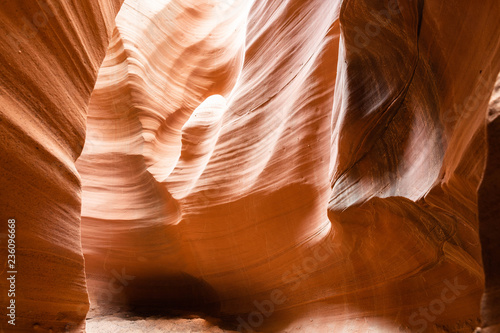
(250,166)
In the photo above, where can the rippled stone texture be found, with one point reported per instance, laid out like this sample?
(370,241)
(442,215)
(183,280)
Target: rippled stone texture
(50,54)
(282,165)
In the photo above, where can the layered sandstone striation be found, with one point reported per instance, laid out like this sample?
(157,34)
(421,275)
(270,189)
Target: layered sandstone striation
(315,166)
(50,54)
(328,177)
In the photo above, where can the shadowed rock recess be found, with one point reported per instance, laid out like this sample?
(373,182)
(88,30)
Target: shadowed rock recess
(250,165)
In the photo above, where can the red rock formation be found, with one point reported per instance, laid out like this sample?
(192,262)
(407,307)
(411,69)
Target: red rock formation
(283,165)
(400,130)
(50,53)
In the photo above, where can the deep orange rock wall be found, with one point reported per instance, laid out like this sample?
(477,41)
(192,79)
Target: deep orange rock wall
(337,166)
(50,53)
(319,166)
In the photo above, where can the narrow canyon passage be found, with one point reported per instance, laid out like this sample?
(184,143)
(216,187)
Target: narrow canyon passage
(251,166)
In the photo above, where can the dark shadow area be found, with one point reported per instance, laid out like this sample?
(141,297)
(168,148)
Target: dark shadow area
(174,296)
(160,295)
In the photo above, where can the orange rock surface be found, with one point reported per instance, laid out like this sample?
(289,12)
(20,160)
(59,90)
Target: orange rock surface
(310,166)
(50,54)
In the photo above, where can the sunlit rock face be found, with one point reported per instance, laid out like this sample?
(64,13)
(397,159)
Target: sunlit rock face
(310,166)
(291,165)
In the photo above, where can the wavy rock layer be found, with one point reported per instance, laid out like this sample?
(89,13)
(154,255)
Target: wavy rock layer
(291,164)
(50,53)
(282,165)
